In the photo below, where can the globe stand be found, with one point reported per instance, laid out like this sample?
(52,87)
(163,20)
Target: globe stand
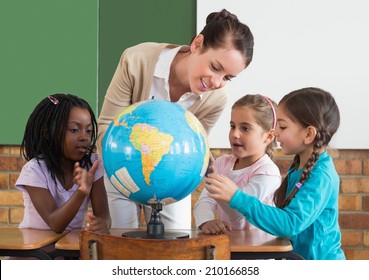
(155,227)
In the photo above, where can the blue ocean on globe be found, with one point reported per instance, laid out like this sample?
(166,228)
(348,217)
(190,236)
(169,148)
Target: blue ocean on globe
(155,151)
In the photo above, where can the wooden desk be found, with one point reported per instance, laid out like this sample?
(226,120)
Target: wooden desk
(25,242)
(247,244)
(257,244)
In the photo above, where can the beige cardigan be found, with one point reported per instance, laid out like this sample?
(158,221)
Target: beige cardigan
(132,81)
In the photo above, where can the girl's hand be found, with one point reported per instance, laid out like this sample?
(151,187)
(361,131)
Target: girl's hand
(96,224)
(220,187)
(215,227)
(83,178)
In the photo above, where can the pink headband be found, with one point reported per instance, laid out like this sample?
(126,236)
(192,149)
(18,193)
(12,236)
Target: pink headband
(273,110)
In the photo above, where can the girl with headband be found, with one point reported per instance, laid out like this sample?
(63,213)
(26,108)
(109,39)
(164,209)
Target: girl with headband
(249,167)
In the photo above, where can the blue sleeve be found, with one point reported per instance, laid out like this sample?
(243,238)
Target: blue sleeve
(305,207)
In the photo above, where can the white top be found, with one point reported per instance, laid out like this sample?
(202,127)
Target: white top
(160,84)
(37,175)
(260,180)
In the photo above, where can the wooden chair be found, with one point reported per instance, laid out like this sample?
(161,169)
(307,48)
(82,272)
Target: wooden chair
(108,247)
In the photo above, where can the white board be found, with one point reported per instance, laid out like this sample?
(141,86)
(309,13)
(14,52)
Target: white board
(300,44)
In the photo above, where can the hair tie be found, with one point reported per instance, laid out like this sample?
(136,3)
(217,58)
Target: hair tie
(53,99)
(273,110)
(298,185)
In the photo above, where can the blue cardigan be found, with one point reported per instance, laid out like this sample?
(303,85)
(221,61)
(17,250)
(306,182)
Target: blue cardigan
(310,220)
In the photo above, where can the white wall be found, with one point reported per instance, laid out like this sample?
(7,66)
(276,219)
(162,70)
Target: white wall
(321,43)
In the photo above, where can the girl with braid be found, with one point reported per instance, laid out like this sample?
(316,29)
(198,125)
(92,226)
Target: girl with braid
(307,200)
(62,174)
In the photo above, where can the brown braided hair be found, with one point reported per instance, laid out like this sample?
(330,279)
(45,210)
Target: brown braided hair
(309,107)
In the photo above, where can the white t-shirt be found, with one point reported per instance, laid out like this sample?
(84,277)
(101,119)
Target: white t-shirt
(37,175)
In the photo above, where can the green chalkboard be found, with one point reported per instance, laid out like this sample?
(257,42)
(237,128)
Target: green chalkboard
(126,23)
(73,46)
(47,46)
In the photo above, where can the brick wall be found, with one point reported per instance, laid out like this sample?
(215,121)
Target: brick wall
(352,166)
(11,200)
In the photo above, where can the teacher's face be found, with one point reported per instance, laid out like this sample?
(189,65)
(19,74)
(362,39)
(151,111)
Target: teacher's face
(213,68)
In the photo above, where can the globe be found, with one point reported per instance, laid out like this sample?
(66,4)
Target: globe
(155,151)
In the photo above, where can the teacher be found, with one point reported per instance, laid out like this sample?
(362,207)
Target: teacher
(193,76)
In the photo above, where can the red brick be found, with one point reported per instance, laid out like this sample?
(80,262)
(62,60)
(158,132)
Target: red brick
(4,213)
(350,202)
(13,179)
(356,254)
(16,215)
(21,162)
(4,150)
(366,238)
(348,167)
(365,203)
(354,220)
(354,154)
(334,153)
(15,150)
(354,184)
(11,198)
(366,167)
(352,238)
(9,163)
(4,181)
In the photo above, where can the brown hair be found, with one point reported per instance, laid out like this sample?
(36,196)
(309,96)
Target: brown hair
(309,107)
(223,26)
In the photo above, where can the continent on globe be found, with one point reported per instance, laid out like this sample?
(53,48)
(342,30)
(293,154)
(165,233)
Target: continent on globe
(152,144)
